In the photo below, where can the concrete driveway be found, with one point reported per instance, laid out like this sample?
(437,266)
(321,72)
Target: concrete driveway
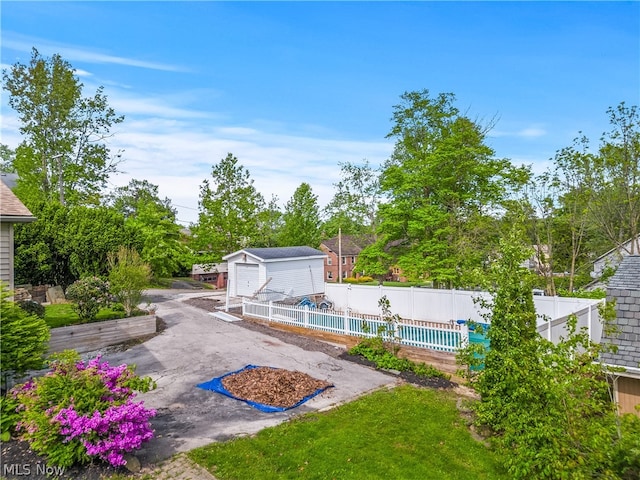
(197,347)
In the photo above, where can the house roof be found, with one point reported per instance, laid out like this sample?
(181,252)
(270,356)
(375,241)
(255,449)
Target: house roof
(12,210)
(278,253)
(624,286)
(197,269)
(351,244)
(617,249)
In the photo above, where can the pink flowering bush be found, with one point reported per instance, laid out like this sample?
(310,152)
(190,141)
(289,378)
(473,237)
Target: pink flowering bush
(79,411)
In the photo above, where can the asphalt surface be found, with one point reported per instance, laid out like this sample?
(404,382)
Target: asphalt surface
(196,347)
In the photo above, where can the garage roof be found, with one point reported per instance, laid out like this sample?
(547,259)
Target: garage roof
(278,253)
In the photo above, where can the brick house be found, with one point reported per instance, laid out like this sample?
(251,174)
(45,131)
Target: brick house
(214,274)
(348,247)
(624,288)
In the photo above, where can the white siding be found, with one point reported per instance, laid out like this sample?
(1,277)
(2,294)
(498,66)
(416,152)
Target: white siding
(296,278)
(6,254)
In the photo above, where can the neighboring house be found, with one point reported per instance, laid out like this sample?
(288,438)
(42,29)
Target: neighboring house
(280,271)
(613,257)
(213,273)
(539,260)
(342,255)
(624,288)
(12,211)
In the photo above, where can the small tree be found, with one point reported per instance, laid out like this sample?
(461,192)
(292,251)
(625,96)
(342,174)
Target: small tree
(23,338)
(128,277)
(549,404)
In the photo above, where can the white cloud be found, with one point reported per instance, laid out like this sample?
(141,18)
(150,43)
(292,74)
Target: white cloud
(22,43)
(178,159)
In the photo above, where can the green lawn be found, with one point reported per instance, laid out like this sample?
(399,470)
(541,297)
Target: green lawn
(403,433)
(62,314)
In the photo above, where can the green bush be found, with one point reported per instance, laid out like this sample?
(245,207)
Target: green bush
(363,279)
(128,277)
(373,349)
(23,338)
(89,295)
(32,307)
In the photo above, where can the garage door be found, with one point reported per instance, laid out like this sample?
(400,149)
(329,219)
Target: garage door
(246,280)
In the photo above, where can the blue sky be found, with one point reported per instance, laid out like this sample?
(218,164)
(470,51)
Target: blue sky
(294,88)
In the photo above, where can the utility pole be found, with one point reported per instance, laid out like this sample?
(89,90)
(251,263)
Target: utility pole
(339,255)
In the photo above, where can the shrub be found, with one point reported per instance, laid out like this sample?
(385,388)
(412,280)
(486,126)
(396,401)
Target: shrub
(82,410)
(128,276)
(89,295)
(23,338)
(32,307)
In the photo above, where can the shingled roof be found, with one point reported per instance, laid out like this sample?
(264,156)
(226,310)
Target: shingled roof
(624,287)
(12,210)
(351,244)
(279,253)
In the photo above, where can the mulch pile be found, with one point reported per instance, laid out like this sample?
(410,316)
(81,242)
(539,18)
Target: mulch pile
(271,386)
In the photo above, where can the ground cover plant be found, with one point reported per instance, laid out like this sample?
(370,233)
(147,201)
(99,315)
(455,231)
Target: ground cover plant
(406,432)
(80,411)
(373,349)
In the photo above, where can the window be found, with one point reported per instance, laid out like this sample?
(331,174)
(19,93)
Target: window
(329,275)
(329,261)
(344,274)
(344,260)
(353,260)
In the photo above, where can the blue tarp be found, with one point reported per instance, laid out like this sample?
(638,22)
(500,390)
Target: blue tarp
(217,386)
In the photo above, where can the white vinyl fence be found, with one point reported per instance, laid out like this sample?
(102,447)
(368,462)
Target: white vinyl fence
(442,336)
(436,305)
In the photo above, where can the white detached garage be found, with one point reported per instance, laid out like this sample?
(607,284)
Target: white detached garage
(290,271)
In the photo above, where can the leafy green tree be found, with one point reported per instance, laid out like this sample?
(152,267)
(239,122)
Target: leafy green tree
(574,176)
(616,205)
(128,277)
(66,243)
(23,337)
(549,406)
(63,154)
(354,206)
(301,219)
(158,235)
(7,157)
(230,207)
(441,179)
(269,224)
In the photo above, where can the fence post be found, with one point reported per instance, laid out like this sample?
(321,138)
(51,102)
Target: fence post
(464,335)
(244,308)
(306,316)
(589,320)
(270,310)
(346,321)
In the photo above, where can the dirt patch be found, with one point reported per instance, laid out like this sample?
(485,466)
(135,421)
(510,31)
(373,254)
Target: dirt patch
(272,386)
(205,303)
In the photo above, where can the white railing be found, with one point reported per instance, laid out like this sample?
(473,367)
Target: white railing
(450,305)
(443,336)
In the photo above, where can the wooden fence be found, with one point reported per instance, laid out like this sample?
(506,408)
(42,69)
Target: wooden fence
(86,337)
